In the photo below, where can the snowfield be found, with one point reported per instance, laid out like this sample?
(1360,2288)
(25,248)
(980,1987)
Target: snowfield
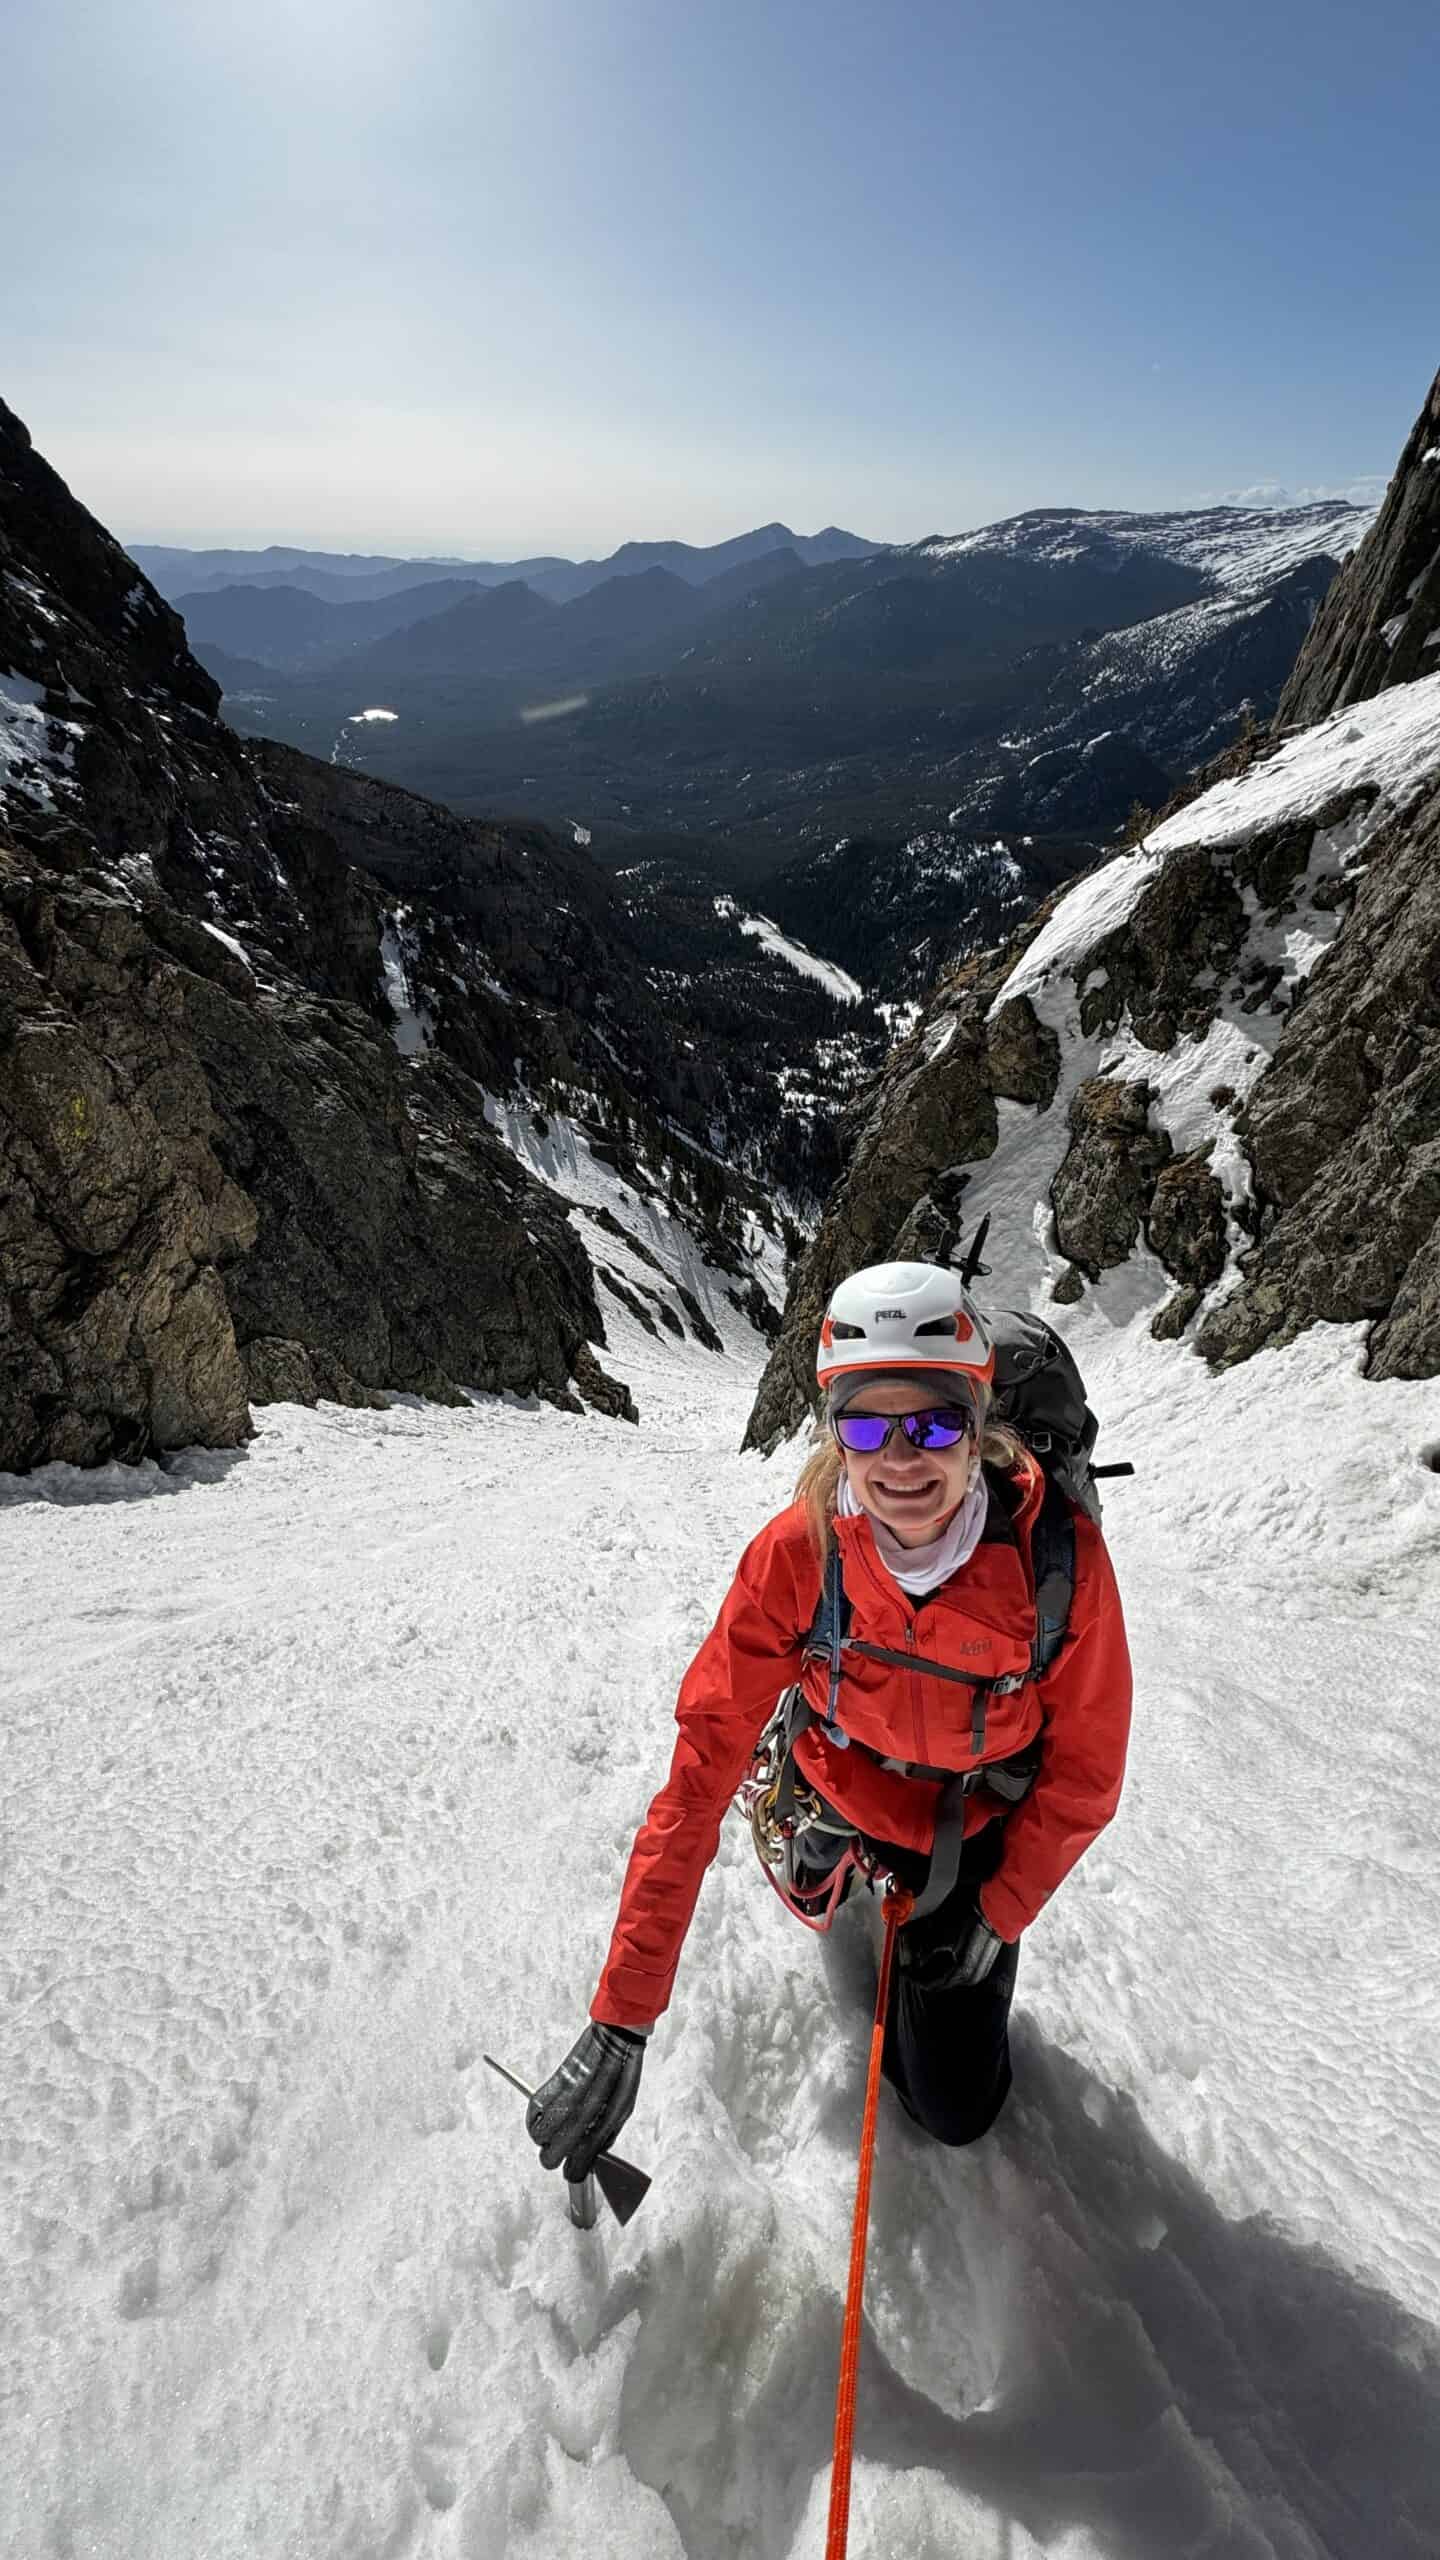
(322,1764)
(1244,548)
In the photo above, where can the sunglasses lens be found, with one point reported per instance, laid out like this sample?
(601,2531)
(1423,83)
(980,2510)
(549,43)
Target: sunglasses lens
(938,1430)
(862,1432)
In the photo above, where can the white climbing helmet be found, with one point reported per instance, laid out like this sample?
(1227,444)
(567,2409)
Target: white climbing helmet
(904,1315)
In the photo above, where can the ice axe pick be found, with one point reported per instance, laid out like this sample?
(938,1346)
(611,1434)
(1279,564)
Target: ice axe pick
(623,2186)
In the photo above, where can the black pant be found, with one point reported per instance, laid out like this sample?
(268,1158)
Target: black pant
(947,2053)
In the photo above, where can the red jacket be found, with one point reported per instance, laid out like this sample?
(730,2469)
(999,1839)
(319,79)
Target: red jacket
(982,1621)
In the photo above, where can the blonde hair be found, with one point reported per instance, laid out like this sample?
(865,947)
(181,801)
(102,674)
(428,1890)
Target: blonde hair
(818,1483)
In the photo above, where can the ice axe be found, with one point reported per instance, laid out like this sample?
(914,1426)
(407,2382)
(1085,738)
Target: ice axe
(623,2186)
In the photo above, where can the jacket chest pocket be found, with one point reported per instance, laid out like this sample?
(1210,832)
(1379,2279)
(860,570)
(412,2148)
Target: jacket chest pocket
(965,1725)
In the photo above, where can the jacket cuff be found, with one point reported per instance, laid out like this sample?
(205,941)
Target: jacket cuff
(1002,1910)
(629,1997)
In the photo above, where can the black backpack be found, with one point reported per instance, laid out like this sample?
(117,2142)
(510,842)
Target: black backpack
(1040,1394)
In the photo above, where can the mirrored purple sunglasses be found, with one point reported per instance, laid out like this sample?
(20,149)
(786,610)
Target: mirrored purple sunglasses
(866,1433)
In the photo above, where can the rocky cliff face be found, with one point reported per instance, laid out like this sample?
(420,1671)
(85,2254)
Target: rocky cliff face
(247,1082)
(1380,622)
(1207,1079)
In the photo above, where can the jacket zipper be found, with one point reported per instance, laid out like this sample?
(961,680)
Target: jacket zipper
(920,1754)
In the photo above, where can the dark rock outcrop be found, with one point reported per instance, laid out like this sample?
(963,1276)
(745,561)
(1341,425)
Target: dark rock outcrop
(1023,1054)
(1162,965)
(117,1217)
(1186,1223)
(1380,622)
(1344,1132)
(1102,1191)
(244,1138)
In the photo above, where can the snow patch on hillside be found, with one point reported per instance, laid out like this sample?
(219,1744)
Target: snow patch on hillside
(631,1235)
(768,934)
(413,1030)
(218,934)
(1389,744)
(36,749)
(1244,548)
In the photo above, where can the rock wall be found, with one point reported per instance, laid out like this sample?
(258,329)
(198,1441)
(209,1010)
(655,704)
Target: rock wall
(220,1178)
(117,1217)
(1343,1132)
(1380,622)
(1215,1061)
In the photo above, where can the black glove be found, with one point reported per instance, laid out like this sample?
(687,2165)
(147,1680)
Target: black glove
(583,2105)
(951,1950)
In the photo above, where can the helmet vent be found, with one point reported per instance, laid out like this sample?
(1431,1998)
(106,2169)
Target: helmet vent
(846,1332)
(937,1324)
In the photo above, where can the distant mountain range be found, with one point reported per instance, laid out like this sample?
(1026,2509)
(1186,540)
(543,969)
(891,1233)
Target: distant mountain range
(341,577)
(460,628)
(1024,684)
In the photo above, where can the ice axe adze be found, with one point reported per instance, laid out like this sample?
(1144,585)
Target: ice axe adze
(623,2186)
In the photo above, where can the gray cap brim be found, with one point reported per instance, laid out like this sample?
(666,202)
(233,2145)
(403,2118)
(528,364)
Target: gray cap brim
(942,1386)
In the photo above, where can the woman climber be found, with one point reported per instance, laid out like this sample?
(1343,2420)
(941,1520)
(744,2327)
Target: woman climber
(921,1665)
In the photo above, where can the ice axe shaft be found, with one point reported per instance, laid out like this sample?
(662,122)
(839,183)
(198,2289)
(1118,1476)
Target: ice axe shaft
(623,2186)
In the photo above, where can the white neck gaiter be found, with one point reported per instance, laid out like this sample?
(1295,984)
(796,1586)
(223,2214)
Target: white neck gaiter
(922,1569)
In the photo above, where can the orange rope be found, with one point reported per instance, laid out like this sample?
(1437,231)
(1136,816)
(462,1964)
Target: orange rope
(898,1906)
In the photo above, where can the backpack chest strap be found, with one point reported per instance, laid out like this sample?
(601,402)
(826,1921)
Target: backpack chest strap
(982,1690)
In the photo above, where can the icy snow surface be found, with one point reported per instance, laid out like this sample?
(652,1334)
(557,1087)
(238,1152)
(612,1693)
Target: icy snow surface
(219,934)
(411,1030)
(1391,741)
(321,1765)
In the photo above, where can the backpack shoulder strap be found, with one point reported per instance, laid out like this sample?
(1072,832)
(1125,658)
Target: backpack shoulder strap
(1052,1558)
(828,1630)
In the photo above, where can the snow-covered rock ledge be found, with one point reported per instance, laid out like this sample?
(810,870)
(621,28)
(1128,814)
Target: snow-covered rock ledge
(1207,1084)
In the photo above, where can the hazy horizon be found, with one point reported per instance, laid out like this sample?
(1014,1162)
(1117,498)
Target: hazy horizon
(500,281)
(1364,492)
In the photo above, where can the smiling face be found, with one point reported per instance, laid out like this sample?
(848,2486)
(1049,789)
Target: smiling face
(911,1492)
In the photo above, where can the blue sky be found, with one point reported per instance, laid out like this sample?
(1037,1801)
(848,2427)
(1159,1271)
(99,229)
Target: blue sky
(502,276)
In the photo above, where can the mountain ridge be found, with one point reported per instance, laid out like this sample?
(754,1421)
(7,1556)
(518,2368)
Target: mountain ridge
(561,579)
(1031,680)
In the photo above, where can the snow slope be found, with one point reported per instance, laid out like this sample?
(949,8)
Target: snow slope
(322,1763)
(768,933)
(1372,760)
(1245,548)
